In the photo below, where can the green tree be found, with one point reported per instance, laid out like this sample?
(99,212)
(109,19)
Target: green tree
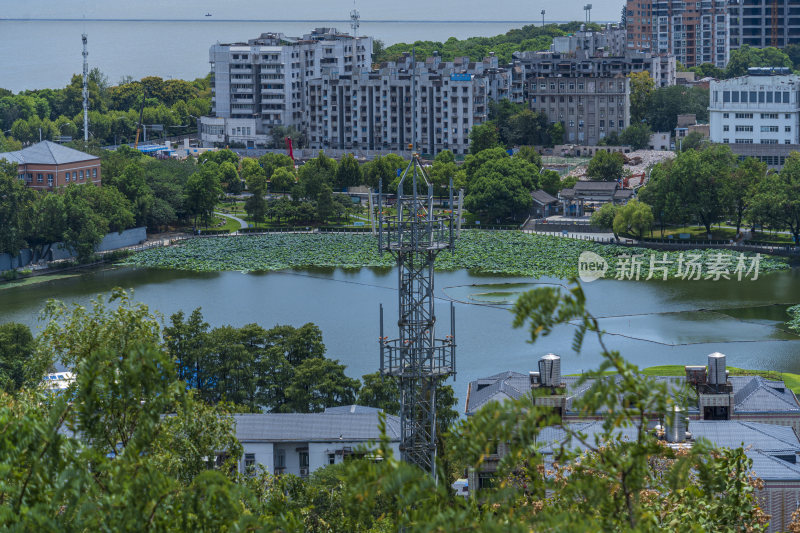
(529,154)
(383,168)
(739,188)
(667,103)
(315,173)
(498,197)
(21,366)
(229,176)
(271,162)
(256,205)
(482,137)
(203,191)
(282,179)
(693,141)
(604,217)
(642,87)
(636,135)
(778,197)
(634,218)
(378,391)
(606,166)
(319,383)
(348,173)
(16,209)
(746,56)
(556,133)
(133,185)
(550,181)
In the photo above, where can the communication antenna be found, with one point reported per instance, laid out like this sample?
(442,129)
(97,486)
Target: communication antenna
(417,359)
(542,18)
(355,20)
(85,91)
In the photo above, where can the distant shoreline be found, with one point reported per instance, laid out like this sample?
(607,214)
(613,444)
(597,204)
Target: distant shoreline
(295,21)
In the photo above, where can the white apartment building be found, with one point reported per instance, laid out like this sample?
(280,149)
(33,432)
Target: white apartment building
(376,110)
(261,83)
(757,115)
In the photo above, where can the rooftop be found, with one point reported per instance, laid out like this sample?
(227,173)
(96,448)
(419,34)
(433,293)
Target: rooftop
(46,153)
(351,424)
(752,394)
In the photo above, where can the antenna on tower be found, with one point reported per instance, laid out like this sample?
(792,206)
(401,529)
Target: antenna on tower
(85,90)
(355,20)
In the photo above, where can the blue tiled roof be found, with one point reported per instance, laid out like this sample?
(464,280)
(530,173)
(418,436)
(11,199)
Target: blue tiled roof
(311,427)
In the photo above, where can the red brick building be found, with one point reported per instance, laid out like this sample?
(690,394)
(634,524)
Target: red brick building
(46,166)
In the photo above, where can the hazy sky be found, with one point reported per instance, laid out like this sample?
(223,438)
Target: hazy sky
(523,10)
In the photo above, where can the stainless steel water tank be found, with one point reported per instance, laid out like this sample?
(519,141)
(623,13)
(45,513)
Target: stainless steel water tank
(716,369)
(550,370)
(676,424)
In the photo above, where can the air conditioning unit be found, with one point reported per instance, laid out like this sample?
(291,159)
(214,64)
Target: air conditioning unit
(304,471)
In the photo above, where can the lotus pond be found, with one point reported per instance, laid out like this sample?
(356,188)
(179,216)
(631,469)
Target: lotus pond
(510,253)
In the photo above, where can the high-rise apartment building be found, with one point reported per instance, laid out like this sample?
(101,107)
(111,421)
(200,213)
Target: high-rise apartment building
(694,32)
(261,84)
(753,23)
(375,110)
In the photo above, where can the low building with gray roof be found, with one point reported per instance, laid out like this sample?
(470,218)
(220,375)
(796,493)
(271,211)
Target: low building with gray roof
(299,443)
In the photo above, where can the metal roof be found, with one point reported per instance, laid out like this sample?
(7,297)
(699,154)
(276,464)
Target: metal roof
(543,197)
(769,438)
(47,153)
(752,394)
(313,427)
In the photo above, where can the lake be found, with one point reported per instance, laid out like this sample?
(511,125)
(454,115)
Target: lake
(46,53)
(651,323)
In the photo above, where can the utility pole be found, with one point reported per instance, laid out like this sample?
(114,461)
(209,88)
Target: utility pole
(85,91)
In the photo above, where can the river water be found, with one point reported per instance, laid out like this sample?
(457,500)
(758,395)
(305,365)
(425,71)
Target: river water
(651,323)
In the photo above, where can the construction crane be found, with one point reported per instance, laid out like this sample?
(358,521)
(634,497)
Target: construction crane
(775,23)
(141,115)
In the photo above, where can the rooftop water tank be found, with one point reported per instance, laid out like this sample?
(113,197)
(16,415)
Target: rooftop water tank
(717,374)
(676,424)
(550,370)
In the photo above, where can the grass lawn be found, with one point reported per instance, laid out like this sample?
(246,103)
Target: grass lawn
(32,280)
(699,233)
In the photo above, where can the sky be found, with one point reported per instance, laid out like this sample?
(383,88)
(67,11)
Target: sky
(477,10)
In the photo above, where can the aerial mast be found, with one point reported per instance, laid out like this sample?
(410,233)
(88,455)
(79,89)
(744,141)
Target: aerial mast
(355,20)
(416,358)
(85,91)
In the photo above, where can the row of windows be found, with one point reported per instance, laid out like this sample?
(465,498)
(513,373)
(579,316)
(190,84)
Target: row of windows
(769,116)
(77,175)
(764,129)
(750,141)
(753,97)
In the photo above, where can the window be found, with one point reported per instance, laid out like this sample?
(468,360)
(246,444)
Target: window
(39,178)
(81,174)
(67,177)
(280,459)
(787,116)
(744,115)
(94,172)
(769,141)
(787,141)
(726,115)
(740,127)
(726,97)
(726,127)
(786,98)
(331,458)
(49,180)
(726,141)
(744,141)
(769,129)
(770,116)
(249,463)
(787,129)
(303,459)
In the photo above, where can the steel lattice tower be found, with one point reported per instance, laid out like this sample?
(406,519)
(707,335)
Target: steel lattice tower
(419,360)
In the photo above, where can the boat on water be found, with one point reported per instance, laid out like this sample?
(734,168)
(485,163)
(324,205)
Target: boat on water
(208,14)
